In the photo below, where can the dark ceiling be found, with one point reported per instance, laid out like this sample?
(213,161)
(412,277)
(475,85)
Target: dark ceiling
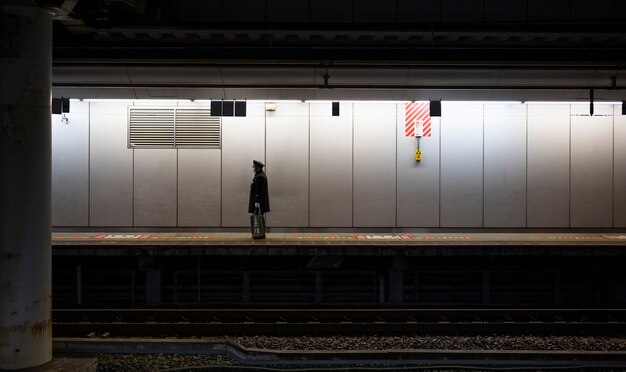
(492,32)
(568,46)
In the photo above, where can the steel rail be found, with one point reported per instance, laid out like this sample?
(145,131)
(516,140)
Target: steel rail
(336,314)
(216,322)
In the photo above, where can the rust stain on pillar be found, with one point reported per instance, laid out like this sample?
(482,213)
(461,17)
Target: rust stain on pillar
(41,328)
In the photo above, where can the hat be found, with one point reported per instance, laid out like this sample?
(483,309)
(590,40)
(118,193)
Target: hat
(257,163)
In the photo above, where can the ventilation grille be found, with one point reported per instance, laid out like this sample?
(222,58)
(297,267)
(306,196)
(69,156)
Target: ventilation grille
(196,127)
(171,127)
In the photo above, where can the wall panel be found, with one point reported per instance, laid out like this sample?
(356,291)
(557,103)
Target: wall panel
(70,167)
(461,165)
(331,166)
(418,181)
(155,190)
(287,146)
(374,164)
(548,166)
(592,171)
(243,140)
(505,165)
(199,183)
(111,165)
(199,187)
(619,168)
(357,169)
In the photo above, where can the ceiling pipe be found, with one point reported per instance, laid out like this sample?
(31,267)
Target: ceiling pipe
(340,65)
(337,86)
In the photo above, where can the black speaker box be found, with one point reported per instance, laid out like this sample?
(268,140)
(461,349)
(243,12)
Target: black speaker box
(240,108)
(216,108)
(65,104)
(228,108)
(57,105)
(435,108)
(335,108)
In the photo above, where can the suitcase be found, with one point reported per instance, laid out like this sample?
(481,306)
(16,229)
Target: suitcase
(257,224)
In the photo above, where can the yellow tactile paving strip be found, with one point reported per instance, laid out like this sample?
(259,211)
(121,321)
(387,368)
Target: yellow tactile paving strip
(226,238)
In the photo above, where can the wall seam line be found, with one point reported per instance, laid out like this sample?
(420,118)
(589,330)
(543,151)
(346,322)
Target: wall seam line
(309,180)
(265,151)
(88,163)
(396,159)
(221,172)
(483,194)
(132,176)
(569,186)
(353,116)
(526,178)
(440,163)
(613,168)
(177,185)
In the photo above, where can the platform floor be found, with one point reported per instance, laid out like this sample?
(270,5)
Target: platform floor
(335,239)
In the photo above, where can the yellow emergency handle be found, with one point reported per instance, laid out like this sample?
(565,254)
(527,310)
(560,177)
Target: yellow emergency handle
(418,154)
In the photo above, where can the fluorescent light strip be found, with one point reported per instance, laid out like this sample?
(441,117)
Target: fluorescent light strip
(570,103)
(348,101)
(481,102)
(108,100)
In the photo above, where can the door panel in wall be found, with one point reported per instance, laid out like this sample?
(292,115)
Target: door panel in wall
(619,168)
(287,147)
(199,187)
(548,166)
(592,171)
(331,166)
(70,167)
(418,181)
(155,187)
(111,165)
(462,165)
(505,165)
(243,140)
(374,165)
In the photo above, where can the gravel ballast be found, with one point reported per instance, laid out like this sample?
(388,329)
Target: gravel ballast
(160,362)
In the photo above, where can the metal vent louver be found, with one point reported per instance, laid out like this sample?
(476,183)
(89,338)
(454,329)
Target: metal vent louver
(169,127)
(197,128)
(151,127)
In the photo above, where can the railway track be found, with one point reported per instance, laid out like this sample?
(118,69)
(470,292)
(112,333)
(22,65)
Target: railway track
(137,352)
(219,322)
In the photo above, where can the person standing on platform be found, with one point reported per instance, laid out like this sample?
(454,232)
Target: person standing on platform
(259,194)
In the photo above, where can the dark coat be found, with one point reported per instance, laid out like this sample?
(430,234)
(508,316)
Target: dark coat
(259,193)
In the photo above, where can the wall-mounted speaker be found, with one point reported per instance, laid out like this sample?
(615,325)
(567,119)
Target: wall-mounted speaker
(435,108)
(623,107)
(216,108)
(240,108)
(57,106)
(335,108)
(60,105)
(228,108)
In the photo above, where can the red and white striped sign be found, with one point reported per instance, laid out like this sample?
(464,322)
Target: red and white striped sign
(414,112)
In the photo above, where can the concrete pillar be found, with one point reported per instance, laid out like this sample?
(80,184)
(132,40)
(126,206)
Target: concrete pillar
(25,254)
